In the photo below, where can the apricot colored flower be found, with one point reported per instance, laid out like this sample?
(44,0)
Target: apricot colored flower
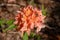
(29,18)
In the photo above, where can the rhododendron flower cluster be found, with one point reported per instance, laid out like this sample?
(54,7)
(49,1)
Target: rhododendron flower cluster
(29,18)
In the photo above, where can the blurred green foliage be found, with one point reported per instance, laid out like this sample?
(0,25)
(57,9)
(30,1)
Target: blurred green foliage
(9,28)
(32,35)
(7,22)
(25,36)
(44,11)
(37,37)
(2,21)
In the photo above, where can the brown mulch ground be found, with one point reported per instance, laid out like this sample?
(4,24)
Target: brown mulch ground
(8,10)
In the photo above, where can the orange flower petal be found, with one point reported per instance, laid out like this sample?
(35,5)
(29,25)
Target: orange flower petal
(29,18)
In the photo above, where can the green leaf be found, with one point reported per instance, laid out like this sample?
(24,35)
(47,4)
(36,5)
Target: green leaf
(31,2)
(2,21)
(25,36)
(43,10)
(9,28)
(38,38)
(9,22)
(32,35)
